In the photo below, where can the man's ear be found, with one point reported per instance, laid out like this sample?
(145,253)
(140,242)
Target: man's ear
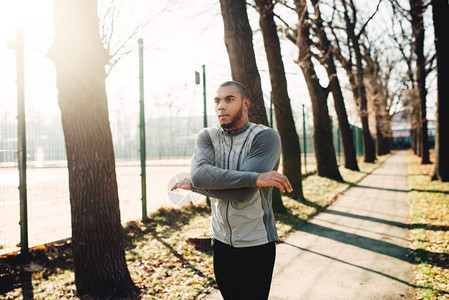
(246,103)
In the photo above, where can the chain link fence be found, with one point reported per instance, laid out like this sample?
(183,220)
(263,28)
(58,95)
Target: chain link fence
(173,120)
(170,143)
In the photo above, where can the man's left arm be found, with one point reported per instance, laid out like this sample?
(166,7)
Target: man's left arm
(265,153)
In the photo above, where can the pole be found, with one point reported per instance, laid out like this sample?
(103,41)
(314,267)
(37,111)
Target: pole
(339,145)
(21,143)
(204,98)
(304,138)
(332,132)
(271,109)
(205,112)
(143,151)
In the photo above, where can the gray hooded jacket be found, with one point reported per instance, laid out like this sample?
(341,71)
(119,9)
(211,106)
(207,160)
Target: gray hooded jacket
(225,166)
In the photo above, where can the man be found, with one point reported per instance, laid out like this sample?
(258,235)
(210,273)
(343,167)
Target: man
(235,165)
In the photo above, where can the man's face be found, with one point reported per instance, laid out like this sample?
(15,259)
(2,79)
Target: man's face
(231,107)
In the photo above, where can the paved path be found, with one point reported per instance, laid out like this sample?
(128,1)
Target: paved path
(356,249)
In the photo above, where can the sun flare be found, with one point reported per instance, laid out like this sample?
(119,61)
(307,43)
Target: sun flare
(36,18)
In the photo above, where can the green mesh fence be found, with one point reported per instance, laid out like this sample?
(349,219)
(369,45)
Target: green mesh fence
(172,123)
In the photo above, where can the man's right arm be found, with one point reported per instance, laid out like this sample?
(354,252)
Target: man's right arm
(212,181)
(205,175)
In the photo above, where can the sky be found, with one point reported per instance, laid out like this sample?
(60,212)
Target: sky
(179,38)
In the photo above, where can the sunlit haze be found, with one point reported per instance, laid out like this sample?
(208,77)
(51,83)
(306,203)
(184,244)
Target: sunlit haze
(179,37)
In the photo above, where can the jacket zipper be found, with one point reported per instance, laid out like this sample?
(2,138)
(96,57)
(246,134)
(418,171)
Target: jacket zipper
(227,206)
(227,220)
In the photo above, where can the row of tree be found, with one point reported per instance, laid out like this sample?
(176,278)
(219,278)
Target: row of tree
(339,41)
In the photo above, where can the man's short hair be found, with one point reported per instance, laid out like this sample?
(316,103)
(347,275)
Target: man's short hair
(237,84)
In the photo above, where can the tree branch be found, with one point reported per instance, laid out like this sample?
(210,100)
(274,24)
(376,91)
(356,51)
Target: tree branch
(369,19)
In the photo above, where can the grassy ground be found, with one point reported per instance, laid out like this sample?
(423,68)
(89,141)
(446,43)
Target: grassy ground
(430,229)
(160,259)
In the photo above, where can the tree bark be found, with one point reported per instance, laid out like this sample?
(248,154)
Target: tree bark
(383,125)
(383,142)
(417,13)
(80,58)
(291,152)
(416,145)
(238,39)
(322,135)
(440,10)
(334,85)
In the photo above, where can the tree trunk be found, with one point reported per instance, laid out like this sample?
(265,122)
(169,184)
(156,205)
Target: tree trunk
(384,131)
(238,39)
(322,135)
(291,152)
(415,129)
(79,58)
(383,142)
(383,128)
(377,91)
(334,85)
(440,11)
(417,13)
(368,144)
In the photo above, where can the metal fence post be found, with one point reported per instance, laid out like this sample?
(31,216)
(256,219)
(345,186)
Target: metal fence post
(205,111)
(271,109)
(143,151)
(204,98)
(339,145)
(356,139)
(362,150)
(359,141)
(304,138)
(21,143)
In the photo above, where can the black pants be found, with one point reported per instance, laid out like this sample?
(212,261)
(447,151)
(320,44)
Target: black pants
(244,273)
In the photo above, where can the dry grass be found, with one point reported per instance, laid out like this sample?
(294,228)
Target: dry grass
(430,229)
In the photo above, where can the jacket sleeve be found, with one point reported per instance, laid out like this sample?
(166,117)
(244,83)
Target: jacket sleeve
(209,180)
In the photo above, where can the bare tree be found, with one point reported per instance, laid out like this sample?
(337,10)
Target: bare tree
(80,58)
(403,42)
(440,11)
(327,60)
(291,152)
(238,38)
(239,44)
(379,95)
(353,65)
(120,45)
(417,19)
(322,135)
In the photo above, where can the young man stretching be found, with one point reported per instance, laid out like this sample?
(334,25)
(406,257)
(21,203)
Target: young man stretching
(235,164)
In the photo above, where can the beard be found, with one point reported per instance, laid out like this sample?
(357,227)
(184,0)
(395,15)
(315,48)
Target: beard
(234,120)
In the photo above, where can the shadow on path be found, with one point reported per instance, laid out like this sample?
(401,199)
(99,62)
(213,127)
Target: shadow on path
(364,268)
(387,222)
(379,188)
(386,248)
